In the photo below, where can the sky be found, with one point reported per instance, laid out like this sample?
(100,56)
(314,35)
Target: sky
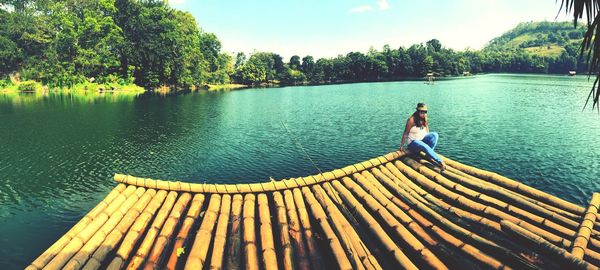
(327,28)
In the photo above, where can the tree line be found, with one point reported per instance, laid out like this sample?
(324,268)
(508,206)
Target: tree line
(63,42)
(146,42)
(393,64)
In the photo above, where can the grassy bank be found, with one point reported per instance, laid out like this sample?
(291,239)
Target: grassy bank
(8,87)
(222,87)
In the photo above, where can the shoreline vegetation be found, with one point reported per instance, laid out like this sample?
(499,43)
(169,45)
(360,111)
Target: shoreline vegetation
(81,88)
(32,87)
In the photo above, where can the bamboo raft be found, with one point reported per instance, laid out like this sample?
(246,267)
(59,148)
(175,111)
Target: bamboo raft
(390,212)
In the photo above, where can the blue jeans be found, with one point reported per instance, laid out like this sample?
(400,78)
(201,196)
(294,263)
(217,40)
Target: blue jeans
(426,145)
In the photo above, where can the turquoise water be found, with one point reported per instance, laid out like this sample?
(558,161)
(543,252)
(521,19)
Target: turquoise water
(59,153)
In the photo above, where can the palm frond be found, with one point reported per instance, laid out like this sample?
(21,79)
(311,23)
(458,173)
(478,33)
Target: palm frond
(590,42)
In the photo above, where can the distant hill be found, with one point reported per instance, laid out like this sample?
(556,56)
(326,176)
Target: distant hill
(545,39)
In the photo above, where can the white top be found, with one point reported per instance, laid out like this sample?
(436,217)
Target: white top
(416,134)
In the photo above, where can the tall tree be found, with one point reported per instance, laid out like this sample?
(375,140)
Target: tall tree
(266,61)
(294,62)
(308,65)
(210,47)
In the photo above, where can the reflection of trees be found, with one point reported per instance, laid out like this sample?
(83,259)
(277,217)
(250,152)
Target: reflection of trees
(29,101)
(591,39)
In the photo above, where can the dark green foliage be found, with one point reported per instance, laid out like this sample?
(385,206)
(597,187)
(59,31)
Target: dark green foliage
(251,73)
(295,62)
(30,86)
(61,43)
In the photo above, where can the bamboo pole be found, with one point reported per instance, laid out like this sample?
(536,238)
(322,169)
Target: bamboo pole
(313,249)
(490,210)
(543,246)
(250,250)
(587,225)
(517,186)
(404,215)
(511,197)
(216,260)
(375,228)
(354,236)
(339,204)
(49,253)
(252,187)
(385,198)
(451,256)
(116,235)
(284,236)
(295,231)
(266,234)
(553,214)
(475,206)
(567,219)
(81,257)
(418,192)
(428,198)
(413,198)
(519,197)
(78,242)
(571,215)
(402,232)
(234,255)
(142,251)
(199,250)
(349,238)
(332,240)
(156,255)
(190,218)
(491,200)
(137,229)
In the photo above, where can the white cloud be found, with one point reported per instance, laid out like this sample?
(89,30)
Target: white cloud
(176,2)
(361,9)
(383,4)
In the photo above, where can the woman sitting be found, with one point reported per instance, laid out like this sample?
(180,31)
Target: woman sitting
(419,137)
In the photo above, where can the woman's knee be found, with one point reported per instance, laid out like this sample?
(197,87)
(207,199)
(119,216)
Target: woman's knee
(415,146)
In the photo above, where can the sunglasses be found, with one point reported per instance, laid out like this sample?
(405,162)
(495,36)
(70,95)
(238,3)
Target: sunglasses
(422,111)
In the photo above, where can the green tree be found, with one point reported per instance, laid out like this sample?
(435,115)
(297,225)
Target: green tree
(251,74)
(210,46)
(295,62)
(434,45)
(240,59)
(161,43)
(308,65)
(266,61)
(293,77)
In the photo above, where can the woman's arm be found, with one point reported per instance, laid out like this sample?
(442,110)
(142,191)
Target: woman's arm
(409,124)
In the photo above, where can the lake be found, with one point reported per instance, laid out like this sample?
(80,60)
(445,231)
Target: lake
(59,152)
